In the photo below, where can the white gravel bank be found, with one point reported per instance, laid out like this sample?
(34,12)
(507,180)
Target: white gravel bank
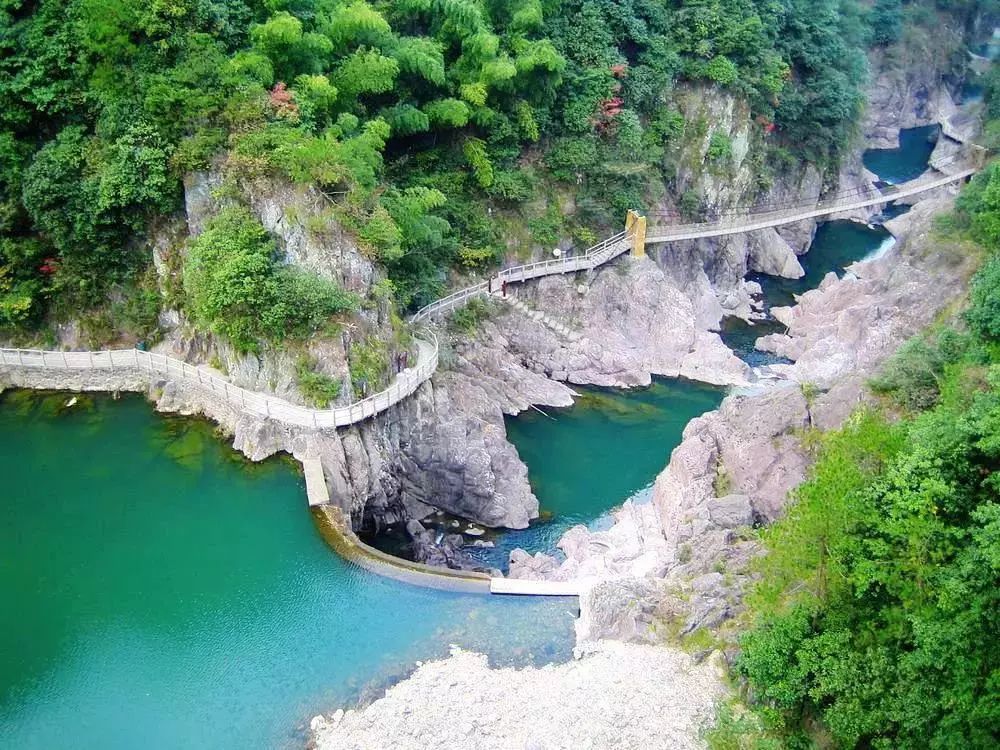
(619,696)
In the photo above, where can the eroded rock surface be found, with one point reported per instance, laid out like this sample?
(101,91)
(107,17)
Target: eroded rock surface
(735,466)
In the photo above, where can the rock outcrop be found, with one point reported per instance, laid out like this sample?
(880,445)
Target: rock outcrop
(712,270)
(905,95)
(632,320)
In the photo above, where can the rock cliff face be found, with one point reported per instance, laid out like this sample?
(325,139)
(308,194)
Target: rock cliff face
(908,93)
(712,271)
(735,467)
(446,447)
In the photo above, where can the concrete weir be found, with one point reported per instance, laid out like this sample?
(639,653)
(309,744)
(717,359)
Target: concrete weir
(337,532)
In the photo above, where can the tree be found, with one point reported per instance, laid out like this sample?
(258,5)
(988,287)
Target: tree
(236,288)
(229,278)
(886,21)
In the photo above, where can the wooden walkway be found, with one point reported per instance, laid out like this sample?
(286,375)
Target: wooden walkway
(160,366)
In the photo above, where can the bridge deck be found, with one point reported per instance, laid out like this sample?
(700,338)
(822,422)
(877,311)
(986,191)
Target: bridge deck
(524,587)
(754,222)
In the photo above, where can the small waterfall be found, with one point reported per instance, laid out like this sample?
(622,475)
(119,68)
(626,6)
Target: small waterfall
(881,250)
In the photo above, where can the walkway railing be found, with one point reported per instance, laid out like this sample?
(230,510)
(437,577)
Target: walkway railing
(427,360)
(595,256)
(249,401)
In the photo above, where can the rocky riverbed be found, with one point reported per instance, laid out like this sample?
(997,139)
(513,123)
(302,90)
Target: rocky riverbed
(618,695)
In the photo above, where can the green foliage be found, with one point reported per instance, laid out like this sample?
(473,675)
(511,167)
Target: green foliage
(735,728)
(979,204)
(720,147)
(405,119)
(229,278)
(477,158)
(291,49)
(420,56)
(893,630)
(369,365)
(547,229)
(886,21)
(107,104)
(318,388)
(571,157)
(353,24)
(721,70)
(875,616)
(468,318)
(913,377)
(690,204)
(21,289)
(365,72)
(138,310)
(236,289)
(983,315)
(453,113)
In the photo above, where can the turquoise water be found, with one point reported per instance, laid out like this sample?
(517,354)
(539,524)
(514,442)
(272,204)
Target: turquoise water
(895,165)
(837,244)
(161,593)
(589,458)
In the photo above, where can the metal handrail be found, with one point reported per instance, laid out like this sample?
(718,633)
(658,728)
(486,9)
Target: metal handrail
(594,256)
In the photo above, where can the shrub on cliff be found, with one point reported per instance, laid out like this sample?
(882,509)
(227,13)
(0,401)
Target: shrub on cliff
(236,288)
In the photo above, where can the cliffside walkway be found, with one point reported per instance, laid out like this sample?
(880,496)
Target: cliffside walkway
(272,407)
(263,405)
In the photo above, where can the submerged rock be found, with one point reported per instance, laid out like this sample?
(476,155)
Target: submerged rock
(432,547)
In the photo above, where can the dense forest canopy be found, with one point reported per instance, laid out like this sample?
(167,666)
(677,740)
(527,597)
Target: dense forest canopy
(417,117)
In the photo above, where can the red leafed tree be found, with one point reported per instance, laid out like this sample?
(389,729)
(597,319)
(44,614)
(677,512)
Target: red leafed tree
(283,100)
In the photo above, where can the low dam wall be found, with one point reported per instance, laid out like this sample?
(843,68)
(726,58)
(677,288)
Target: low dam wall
(337,532)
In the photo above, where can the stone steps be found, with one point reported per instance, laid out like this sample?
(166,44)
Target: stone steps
(539,316)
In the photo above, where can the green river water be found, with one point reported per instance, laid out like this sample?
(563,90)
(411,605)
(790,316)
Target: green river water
(837,244)
(163,593)
(160,592)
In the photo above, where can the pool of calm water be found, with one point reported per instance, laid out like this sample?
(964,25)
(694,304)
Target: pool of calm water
(837,244)
(909,160)
(160,592)
(589,458)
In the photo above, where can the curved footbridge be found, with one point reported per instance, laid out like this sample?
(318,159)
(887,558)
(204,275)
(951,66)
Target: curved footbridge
(637,235)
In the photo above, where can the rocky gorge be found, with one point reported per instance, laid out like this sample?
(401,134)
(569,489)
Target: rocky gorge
(665,568)
(677,565)
(445,448)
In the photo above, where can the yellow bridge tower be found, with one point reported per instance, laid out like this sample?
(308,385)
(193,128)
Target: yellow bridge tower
(635,228)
